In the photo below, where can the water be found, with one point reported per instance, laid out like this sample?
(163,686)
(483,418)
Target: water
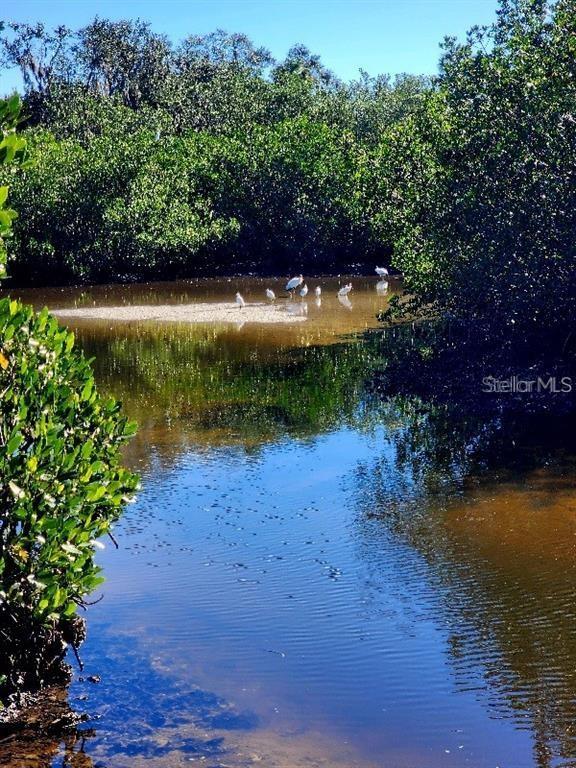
(302,581)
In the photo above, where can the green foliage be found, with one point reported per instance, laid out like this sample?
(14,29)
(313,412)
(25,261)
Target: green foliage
(478,190)
(12,149)
(209,156)
(115,208)
(61,483)
(213,157)
(62,486)
(131,206)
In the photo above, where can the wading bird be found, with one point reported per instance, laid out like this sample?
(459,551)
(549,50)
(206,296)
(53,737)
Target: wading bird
(318,291)
(381,271)
(270,294)
(304,291)
(240,301)
(345,290)
(293,283)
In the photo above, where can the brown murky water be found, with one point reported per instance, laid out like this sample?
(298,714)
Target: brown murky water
(328,317)
(305,579)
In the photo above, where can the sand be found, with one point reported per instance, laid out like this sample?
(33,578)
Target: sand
(191,313)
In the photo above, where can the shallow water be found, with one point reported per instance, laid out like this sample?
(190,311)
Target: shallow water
(302,582)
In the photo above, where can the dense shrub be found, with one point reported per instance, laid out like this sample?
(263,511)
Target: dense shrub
(61,483)
(141,207)
(12,148)
(62,486)
(116,208)
(478,187)
(191,159)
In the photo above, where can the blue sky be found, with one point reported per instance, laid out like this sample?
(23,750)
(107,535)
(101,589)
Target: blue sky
(375,35)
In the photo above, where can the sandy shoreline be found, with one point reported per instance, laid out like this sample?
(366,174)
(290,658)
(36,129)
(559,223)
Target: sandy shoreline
(190,313)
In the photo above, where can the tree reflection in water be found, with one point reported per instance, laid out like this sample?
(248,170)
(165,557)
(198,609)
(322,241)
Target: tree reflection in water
(482,488)
(485,491)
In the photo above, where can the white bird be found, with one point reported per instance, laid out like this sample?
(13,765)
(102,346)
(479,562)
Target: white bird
(381,271)
(318,291)
(304,291)
(294,282)
(345,290)
(270,294)
(240,301)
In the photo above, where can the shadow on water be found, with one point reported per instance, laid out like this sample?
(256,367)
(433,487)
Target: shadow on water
(499,562)
(329,564)
(487,498)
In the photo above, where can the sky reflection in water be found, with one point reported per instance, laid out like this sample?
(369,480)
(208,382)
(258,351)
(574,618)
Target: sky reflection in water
(295,588)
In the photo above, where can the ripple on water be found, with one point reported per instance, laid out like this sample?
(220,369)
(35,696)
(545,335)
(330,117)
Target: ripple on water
(296,586)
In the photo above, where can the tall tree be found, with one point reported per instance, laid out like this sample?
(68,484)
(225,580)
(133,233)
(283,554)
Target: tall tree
(43,57)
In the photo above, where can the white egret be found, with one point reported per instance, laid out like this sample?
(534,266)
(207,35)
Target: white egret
(240,301)
(294,282)
(270,295)
(318,291)
(345,290)
(381,271)
(304,291)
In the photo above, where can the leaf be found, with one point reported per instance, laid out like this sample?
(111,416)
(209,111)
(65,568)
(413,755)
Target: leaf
(70,549)
(87,390)
(14,443)
(15,490)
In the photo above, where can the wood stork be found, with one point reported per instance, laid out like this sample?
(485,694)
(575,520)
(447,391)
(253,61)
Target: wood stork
(345,290)
(240,301)
(293,283)
(270,295)
(318,291)
(304,291)
(381,271)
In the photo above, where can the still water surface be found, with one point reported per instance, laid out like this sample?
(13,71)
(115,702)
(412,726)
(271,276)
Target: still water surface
(299,583)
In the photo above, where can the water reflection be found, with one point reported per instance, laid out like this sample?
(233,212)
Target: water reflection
(491,508)
(205,385)
(50,737)
(382,286)
(317,574)
(500,565)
